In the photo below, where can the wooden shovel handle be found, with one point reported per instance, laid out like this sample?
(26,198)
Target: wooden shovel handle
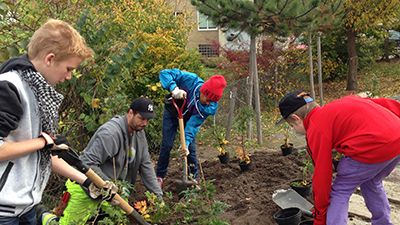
(183,148)
(124,205)
(182,136)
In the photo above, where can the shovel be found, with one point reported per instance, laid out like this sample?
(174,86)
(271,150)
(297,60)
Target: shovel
(71,157)
(184,183)
(287,198)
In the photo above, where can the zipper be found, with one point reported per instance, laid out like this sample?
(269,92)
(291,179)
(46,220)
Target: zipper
(4,177)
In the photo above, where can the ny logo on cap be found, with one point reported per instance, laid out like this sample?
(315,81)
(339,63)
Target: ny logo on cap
(150,107)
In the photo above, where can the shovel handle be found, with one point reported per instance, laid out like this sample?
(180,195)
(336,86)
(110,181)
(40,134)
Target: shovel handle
(182,136)
(71,157)
(124,205)
(308,213)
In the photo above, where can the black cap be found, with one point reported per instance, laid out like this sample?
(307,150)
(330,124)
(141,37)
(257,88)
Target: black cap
(144,107)
(291,102)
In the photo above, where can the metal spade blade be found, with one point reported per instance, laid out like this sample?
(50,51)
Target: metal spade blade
(286,198)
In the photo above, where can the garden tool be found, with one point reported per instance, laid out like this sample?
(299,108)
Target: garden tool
(287,198)
(71,157)
(59,209)
(184,183)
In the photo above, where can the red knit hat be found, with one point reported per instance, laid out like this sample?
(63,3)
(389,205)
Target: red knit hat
(214,87)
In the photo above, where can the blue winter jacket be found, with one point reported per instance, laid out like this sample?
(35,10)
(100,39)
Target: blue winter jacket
(191,83)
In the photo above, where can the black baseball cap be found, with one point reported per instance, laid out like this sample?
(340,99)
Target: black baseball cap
(144,107)
(291,102)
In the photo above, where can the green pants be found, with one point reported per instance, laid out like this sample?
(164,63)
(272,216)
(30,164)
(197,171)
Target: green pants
(80,206)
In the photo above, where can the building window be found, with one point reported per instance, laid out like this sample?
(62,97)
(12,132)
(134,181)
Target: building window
(204,22)
(207,50)
(176,14)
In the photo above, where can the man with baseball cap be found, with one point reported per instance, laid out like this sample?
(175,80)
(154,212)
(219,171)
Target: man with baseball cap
(201,101)
(118,150)
(366,131)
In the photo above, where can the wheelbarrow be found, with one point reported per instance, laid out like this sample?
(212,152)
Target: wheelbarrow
(71,157)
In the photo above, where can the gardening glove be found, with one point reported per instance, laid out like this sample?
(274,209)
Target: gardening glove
(183,152)
(178,93)
(106,193)
(58,143)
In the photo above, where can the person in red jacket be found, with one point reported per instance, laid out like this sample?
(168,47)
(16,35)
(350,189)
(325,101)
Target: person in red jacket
(366,131)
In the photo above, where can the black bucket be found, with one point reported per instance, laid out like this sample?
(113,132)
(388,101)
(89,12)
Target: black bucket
(307,222)
(288,216)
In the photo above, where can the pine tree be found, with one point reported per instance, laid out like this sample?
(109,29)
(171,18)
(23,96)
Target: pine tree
(272,17)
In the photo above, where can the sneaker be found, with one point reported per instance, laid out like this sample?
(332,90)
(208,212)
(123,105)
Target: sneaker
(44,216)
(47,218)
(160,181)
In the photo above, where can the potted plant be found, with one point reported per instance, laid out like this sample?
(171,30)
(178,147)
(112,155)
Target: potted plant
(241,122)
(220,143)
(244,158)
(223,155)
(303,186)
(287,148)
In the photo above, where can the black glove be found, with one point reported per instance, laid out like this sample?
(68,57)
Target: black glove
(55,143)
(60,139)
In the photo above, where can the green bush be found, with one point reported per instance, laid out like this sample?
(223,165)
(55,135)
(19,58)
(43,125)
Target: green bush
(132,44)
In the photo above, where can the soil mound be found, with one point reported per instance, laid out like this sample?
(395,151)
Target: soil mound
(249,193)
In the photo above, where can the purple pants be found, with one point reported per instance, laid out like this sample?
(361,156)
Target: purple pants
(352,174)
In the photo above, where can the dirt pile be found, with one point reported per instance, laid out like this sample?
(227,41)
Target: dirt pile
(249,193)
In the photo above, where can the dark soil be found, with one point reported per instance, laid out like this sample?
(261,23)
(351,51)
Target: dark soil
(249,193)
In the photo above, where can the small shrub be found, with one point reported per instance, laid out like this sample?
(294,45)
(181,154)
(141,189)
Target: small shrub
(196,207)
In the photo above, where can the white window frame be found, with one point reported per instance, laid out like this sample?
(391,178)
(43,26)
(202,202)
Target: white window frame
(207,20)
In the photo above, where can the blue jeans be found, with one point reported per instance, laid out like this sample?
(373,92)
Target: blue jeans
(352,174)
(28,218)
(169,129)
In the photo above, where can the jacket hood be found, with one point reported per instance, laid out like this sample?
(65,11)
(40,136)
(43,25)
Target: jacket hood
(17,63)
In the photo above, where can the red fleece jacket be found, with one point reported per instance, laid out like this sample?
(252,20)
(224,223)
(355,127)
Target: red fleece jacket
(367,130)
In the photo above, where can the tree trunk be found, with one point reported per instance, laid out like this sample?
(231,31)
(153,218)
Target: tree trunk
(275,84)
(386,49)
(253,70)
(310,60)
(321,89)
(250,92)
(232,103)
(353,60)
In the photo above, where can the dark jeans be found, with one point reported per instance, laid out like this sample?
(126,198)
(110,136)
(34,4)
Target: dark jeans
(169,130)
(28,218)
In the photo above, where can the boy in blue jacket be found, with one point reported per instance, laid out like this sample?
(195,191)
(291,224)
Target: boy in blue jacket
(201,101)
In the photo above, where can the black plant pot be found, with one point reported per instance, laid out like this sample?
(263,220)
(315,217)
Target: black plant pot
(287,149)
(224,159)
(307,222)
(288,216)
(244,166)
(302,190)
